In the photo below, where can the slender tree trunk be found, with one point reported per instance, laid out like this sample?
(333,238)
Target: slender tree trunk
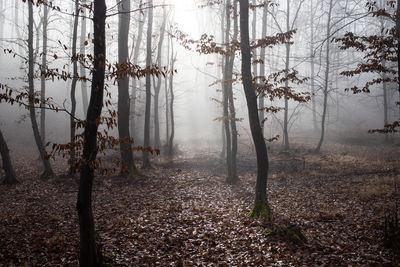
(82,52)
(88,251)
(166,96)
(32,110)
(7,166)
(146,160)
(124,17)
(312,56)
(2,19)
(326,82)
(74,59)
(385,103)
(171,89)
(229,177)
(261,203)
(157,86)
(254,37)
(134,81)
(287,64)
(42,76)
(223,132)
(262,64)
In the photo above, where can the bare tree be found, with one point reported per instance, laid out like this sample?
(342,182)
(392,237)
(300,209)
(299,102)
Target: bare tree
(88,251)
(261,207)
(82,52)
(42,76)
(7,166)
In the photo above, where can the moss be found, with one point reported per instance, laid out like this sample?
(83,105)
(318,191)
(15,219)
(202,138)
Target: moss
(291,233)
(261,209)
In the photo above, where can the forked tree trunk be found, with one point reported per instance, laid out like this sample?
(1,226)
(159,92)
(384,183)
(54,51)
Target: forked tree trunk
(128,164)
(74,59)
(32,110)
(261,207)
(7,166)
(146,143)
(88,251)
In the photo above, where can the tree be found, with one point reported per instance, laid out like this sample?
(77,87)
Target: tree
(82,51)
(381,54)
(146,160)
(42,76)
(326,79)
(32,110)
(88,251)
(127,160)
(261,207)
(157,86)
(7,166)
(75,74)
(172,98)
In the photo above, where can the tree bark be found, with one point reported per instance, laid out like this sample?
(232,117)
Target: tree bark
(312,78)
(262,64)
(251,99)
(32,110)
(88,251)
(7,166)
(128,164)
(287,64)
(74,59)
(146,160)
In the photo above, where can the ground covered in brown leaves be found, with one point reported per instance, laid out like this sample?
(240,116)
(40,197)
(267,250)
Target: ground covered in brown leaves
(183,213)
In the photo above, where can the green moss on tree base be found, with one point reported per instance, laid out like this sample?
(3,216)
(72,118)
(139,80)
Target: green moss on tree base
(261,210)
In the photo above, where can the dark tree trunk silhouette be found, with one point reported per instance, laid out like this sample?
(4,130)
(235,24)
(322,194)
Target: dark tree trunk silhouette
(261,207)
(7,166)
(88,251)
(32,110)
(146,143)
(74,59)
(124,16)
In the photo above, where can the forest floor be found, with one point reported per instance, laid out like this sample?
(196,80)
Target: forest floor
(184,214)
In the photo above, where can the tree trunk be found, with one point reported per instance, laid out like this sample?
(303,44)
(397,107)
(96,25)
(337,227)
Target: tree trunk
(312,56)
(82,52)
(7,166)
(127,160)
(223,132)
(326,82)
(171,89)
(157,87)
(146,160)
(166,96)
(262,66)
(74,59)
(42,75)
(261,207)
(134,81)
(88,251)
(32,110)
(287,64)
(229,177)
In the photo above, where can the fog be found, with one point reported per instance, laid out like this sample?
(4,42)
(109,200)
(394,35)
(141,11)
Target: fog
(196,80)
